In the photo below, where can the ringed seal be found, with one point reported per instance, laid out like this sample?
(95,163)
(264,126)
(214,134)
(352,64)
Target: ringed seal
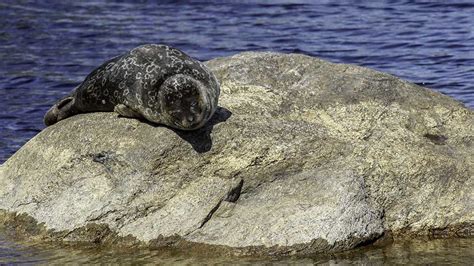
(156,82)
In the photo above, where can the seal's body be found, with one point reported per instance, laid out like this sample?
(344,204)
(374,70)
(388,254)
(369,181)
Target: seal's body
(155,82)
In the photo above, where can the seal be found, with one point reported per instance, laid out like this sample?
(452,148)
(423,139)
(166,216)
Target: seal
(156,82)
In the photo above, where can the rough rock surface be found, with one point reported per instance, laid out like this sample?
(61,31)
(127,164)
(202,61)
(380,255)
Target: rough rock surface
(302,156)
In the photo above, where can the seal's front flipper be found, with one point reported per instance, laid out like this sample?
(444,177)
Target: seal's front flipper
(126,111)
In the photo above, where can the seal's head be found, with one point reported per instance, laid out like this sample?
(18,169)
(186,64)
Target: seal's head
(64,108)
(184,103)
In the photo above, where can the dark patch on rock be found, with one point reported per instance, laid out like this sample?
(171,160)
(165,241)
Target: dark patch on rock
(234,194)
(436,139)
(102,157)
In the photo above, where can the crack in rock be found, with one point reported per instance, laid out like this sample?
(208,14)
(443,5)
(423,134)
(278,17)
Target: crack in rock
(232,196)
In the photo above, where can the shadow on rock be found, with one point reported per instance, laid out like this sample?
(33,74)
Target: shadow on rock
(200,139)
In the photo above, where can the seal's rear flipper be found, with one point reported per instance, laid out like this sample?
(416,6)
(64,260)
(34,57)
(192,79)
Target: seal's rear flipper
(126,111)
(61,110)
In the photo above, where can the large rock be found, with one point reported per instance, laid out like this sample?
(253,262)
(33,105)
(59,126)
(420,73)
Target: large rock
(303,156)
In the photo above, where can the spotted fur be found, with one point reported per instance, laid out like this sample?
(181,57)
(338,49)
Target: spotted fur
(155,82)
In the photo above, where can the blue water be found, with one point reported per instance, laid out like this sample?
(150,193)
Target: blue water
(48,47)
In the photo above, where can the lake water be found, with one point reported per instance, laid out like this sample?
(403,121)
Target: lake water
(420,252)
(48,47)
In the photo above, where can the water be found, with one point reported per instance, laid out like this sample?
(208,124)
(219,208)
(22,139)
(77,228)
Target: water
(48,47)
(426,252)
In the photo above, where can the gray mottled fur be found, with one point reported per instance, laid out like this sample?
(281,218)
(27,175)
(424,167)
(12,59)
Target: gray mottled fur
(156,82)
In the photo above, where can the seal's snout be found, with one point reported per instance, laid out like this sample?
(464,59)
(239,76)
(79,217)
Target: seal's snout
(191,121)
